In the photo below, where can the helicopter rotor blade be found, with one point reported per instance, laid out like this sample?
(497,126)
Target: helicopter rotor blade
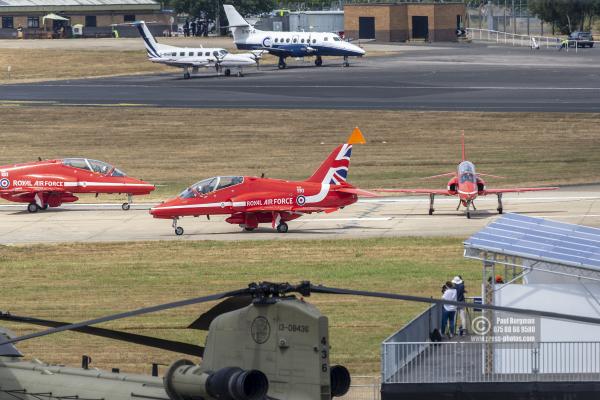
(127,314)
(393,296)
(230,304)
(163,344)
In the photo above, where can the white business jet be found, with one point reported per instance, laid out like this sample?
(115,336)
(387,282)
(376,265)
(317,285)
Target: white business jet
(289,44)
(194,58)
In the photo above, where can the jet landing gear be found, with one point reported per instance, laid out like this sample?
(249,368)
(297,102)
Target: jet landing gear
(431,198)
(127,205)
(282,227)
(178,229)
(318,61)
(32,207)
(346,62)
(281,64)
(499,209)
(186,73)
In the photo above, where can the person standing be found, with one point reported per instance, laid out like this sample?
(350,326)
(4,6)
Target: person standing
(448,310)
(459,285)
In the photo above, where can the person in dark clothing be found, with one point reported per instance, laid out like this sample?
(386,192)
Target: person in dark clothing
(186,28)
(194,28)
(448,311)
(459,285)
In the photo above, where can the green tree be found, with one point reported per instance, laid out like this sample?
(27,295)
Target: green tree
(567,16)
(210,7)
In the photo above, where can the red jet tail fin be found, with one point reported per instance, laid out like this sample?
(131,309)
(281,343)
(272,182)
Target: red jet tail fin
(334,169)
(462,142)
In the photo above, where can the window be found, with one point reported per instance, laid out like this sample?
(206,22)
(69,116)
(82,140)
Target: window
(79,163)
(336,39)
(182,54)
(301,40)
(287,40)
(174,54)
(325,39)
(33,22)
(7,22)
(295,40)
(129,18)
(191,54)
(90,21)
(207,54)
(314,40)
(276,40)
(226,181)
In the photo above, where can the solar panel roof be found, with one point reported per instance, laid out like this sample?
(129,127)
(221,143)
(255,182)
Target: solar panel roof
(540,239)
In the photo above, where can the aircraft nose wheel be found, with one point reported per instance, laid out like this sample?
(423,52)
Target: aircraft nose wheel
(281,64)
(125,206)
(32,207)
(249,228)
(179,231)
(318,61)
(282,227)
(431,211)
(500,211)
(227,72)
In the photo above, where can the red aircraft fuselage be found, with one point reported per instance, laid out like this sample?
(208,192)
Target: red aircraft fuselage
(53,182)
(250,201)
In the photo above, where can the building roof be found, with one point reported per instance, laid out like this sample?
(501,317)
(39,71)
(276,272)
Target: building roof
(69,3)
(539,239)
(76,5)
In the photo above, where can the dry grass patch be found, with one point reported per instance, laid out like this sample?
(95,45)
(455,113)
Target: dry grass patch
(80,281)
(176,147)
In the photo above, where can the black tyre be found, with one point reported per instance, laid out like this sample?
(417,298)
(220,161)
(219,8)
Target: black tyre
(282,227)
(319,62)
(249,228)
(500,211)
(45,207)
(187,75)
(179,231)
(468,215)
(281,65)
(227,72)
(431,211)
(125,206)
(32,207)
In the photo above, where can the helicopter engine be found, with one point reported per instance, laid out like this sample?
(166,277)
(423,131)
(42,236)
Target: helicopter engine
(278,345)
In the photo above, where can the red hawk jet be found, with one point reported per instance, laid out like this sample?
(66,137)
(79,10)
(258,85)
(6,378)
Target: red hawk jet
(467,185)
(50,183)
(250,201)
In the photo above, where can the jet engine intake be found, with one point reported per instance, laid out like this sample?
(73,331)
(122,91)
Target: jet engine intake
(340,381)
(186,381)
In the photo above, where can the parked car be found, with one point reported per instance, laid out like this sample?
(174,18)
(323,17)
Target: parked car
(583,39)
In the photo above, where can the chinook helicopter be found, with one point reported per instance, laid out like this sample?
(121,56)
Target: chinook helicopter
(263,343)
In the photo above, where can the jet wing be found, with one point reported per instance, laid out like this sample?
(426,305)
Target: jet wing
(356,191)
(180,64)
(517,190)
(441,192)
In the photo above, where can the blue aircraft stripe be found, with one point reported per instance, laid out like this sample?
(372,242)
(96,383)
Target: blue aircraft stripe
(151,50)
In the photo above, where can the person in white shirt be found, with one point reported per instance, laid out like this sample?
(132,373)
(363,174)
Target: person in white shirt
(448,311)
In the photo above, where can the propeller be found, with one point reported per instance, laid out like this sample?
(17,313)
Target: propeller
(163,344)
(266,293)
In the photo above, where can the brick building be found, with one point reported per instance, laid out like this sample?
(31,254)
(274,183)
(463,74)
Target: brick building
(96,17)
(400,22)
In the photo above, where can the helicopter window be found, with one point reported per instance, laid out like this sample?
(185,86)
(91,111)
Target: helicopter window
(100,166)
(76,163)
(226,181)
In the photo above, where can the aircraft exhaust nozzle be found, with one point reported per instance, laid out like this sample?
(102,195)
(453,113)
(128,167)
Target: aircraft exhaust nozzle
(340,381)
(186,381)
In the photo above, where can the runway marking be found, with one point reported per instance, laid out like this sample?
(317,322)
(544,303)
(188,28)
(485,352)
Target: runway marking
(379,87)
